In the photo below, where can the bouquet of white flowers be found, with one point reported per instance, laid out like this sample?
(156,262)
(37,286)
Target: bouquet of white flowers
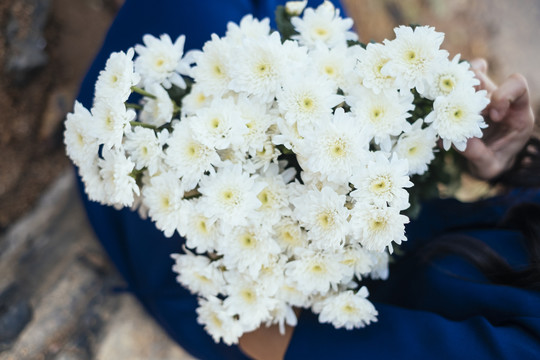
(282,157)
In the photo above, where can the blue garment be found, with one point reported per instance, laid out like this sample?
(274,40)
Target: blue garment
(423,311)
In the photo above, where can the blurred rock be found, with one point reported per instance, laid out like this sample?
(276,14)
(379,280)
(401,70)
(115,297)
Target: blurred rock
(25,39)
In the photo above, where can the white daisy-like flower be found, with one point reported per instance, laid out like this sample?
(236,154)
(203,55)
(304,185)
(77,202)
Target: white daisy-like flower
(377,227)
(111,119)
(457,117)
(116,80)
(274,196)
(333,64)
(247,300)
(219,126)
(417,146)
(81,147)
(213,67)
(357,259)
(158,111)
(163,196)
(307,100)
(383,115)
(115,170)
(199,274)
(257,119)
(369,68)
(94,186)
(413,55)
(347,309)
(230,195)
(323,25)
(248,249)
(282,314)
(315,272)
(449,76)
(187,157)
(289,234)
(324,215)
(383,182)
(160,61)
(287,135)
(379,270)
(145,148)
(201,233)
(335,148)
(217,322)
(295,8)
(271,277)
(258,67)
(195,100)
(249,27)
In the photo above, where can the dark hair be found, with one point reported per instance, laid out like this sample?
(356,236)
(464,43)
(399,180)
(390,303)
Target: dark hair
(523,217)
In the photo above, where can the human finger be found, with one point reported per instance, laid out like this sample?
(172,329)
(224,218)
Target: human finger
(482,162)
(513,92)
(480,67)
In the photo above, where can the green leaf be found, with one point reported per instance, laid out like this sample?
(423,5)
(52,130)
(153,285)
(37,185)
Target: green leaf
(284,25)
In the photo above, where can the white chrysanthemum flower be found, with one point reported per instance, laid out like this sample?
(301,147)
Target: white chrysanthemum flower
(187,157)
(116,80)
(417,146)
(111,119)
(318,181)
(377,227)
(307,100)
(230,195)
(413,55)
(333,64)
(249,27)
(258,68)
(158,111)
(219,126)
(289,234)
(369,68)
(271,277)
(160,61)
(195,100)
(258,119)
(81,147)
(335,148)
(287,135)
(199,274)
(201,233)
(213,68)
(248,249)
(217,322)
(145,148)
(163,196)
(357,259)
(315,271)
(247,300)
(94,186)
(346,309)
(274,196)
(323,25)
(449,76)
(383,115)
(383,182)
(324,215)
(295,8)
(115,170)
(457,117)
(379,270)
(282,314)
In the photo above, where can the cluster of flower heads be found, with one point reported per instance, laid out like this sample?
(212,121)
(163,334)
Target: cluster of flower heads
(264,235)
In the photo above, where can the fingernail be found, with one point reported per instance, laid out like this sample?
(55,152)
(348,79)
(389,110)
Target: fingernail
(494,114)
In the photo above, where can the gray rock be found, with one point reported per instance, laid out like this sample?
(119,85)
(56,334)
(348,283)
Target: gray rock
(25,39)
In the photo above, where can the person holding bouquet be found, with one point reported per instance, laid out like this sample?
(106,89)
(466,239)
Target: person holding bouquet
(469,274)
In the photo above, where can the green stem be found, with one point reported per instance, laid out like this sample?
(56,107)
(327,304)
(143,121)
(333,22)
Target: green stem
(137,123)
(134,106)
(138,90)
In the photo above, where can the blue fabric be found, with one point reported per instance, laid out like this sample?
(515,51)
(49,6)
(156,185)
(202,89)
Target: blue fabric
(445,310)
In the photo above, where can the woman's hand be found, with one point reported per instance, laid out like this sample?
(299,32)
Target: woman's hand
(510,119)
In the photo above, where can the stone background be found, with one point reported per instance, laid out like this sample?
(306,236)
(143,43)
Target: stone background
(59,296)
